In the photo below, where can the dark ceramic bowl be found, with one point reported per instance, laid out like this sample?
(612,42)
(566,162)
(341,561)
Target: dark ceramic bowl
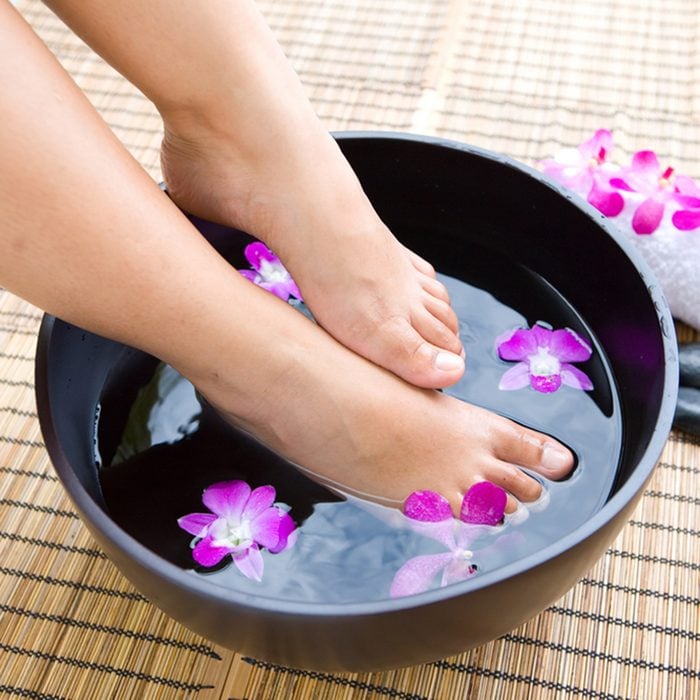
(461,195)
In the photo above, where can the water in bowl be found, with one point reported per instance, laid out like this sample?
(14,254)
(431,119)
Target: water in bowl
(159,447)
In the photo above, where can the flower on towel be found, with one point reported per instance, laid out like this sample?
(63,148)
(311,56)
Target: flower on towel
(544,359)
(268,272)
(483,505)
(656,187)
(241,522)
(687,218)
(642,187)
(586,171)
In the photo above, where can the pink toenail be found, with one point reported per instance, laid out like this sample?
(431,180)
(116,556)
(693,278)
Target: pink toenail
(448,362)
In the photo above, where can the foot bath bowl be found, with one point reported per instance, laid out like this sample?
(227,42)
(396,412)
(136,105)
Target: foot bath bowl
(523,245)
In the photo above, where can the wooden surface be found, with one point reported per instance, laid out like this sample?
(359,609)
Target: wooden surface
(521,77)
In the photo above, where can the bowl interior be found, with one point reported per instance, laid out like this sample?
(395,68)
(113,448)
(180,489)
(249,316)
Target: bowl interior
(440,198)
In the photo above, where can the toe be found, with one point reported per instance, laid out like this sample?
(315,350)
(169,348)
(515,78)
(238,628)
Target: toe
(432,329)
(410,356)
(442,311)
(420,264)
(515,481)
(518,445)
(434,287)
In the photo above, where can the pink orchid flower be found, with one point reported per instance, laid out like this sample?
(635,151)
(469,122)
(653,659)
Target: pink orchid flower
(543,358)
(645,177)
(268,272)
(687,217)
(586,171)
(483,505)
(241,522)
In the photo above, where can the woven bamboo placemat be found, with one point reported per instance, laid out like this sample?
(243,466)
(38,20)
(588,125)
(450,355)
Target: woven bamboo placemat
(524,77)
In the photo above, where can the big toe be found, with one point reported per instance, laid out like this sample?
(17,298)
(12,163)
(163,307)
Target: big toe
(404,351)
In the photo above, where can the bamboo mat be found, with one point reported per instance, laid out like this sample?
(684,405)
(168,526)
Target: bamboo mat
(521,77)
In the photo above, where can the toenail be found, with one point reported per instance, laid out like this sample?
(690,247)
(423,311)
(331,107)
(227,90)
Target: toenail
(448,362)
(555,459)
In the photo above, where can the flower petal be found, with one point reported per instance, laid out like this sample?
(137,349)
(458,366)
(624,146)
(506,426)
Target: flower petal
(259,500)
(602,138)
(483,504)
(645,161)
(250,563)
(252,275)
(620,184)
(648,216)
(196,524)
(416,575)
(442,531)
(227,499)
(568,346)
(517,377)
(265,529)
(427,506)
(287,534)
(279,289)
(294,289)
(542,335)
(605,201)
(518,346)
(687,202)
(686,185)
(205,554)
(257,251)
(545,383)
(575,378)
(686,220)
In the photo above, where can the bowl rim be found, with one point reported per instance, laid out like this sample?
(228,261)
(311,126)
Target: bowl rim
(155,565)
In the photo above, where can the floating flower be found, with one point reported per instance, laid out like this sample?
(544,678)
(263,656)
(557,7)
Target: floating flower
(645,177)
(543,358)
(268,272)
(241,522)
(483,505)
(585,170)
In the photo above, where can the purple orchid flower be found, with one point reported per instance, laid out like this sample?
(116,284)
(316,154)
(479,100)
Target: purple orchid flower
(241,522)
(543,358)
(687,218)
(483,505)
(586,171)
(645,177)
(268,272)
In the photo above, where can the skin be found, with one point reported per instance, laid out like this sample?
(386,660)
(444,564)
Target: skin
(244,147)
(88,236)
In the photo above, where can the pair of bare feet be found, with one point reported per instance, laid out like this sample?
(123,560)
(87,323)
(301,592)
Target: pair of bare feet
(361,412)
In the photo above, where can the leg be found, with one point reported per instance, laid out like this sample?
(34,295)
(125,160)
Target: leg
(243,147)
(93,240)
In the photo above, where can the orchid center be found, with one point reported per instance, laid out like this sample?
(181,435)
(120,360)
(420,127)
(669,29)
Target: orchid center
(666,179)
(273,272)
(464,554)
(598,159)
(234,535)
(543,363)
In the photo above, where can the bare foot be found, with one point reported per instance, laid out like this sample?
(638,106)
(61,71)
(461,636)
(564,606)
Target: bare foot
(356,426)
(364,287)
